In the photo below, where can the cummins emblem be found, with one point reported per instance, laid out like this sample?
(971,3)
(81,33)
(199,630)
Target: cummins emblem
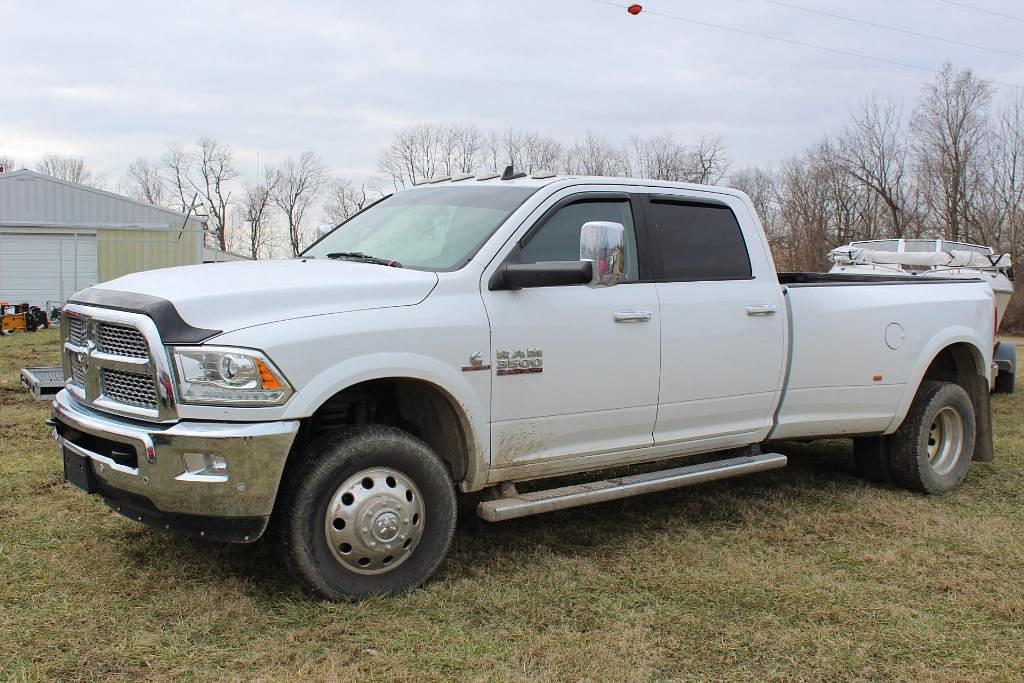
(520,362)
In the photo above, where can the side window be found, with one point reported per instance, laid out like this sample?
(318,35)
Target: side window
(696,242)
(558,238)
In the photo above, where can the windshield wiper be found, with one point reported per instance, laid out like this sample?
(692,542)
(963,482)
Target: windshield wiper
(365,258)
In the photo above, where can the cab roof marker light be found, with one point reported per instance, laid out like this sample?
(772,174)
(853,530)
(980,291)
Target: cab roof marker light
(510,173)
(461,176)
(421,181)
(440,178)
(543,174)
(489,175)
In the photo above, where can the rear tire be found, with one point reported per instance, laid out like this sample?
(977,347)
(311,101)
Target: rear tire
(371,511)
(932,449)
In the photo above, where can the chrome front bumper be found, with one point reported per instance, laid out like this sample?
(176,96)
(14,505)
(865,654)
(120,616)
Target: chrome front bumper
(254,454)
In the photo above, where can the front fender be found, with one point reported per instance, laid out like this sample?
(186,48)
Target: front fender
(454,383)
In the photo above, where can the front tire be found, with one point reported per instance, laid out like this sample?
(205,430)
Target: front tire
(933,448)
(372,511)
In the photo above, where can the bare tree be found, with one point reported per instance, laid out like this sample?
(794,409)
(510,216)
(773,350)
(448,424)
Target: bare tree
(255,213)
(344,200)
(873,150)
(70,169)
(459,148)
(424,151)
(297,185)
(595,155)
(950,127)
(1004,228)
(143,182)
(663,157)
(660,157)
(7,164)
(214,169)
(524,150)
(175,166)
(708,161)
(761,185)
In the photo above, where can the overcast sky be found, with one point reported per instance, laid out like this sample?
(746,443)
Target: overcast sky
(110,81)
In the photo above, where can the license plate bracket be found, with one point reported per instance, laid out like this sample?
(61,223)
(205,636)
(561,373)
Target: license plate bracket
(78,472)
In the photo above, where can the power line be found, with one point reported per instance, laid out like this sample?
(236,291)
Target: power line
(894,28)
(790,41)
(983,10)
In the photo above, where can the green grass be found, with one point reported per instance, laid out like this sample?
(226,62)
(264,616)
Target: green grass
(801,573)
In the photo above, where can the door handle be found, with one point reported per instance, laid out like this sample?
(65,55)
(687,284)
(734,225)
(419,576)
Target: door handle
(762,309)
(632,316)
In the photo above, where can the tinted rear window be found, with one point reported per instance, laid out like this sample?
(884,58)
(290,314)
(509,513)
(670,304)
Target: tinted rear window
(697,242)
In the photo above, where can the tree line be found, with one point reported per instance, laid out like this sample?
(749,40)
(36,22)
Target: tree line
(951,164)
(272,215)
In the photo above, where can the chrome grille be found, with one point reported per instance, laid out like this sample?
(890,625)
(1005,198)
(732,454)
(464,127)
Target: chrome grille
(108,364)
(131,388)
(122,341)
(76,330)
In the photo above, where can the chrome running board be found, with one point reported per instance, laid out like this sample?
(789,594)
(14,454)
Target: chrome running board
(514,504)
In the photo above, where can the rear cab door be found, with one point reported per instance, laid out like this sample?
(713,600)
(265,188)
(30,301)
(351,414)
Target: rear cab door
(723,319)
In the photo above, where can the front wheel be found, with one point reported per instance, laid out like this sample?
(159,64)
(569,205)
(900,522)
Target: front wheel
(371,512)
(933,448)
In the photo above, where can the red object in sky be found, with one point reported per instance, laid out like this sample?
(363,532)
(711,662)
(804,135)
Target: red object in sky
(635,9)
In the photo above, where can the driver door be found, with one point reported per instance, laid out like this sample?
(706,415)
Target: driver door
(576,367)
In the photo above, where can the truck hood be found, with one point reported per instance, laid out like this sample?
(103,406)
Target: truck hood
(230,296)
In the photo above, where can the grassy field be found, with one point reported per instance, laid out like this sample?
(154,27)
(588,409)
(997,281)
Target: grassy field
(801,573)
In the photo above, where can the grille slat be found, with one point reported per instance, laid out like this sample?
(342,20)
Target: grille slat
(77,372)
(122,341)
(76,330)
(130,388)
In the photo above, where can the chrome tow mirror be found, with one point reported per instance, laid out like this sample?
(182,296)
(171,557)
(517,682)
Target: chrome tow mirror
(603,244)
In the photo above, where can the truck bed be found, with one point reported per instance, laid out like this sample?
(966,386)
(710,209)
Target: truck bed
(853,353)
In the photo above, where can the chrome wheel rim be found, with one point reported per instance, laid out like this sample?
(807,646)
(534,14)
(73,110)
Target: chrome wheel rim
(945,440)
(374,520)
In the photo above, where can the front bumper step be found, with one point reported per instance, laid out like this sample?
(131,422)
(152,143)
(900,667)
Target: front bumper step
(523,504)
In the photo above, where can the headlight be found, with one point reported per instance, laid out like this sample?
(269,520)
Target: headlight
(222,375)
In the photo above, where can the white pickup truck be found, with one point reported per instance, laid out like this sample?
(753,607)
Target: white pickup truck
(474,333)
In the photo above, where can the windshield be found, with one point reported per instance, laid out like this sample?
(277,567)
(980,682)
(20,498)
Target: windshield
(432,228)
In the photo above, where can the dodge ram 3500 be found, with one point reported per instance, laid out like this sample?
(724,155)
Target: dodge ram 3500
(473,333)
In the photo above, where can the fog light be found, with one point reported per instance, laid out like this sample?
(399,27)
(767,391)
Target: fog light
(204,466)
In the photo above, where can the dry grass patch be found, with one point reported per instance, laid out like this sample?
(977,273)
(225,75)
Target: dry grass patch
(800,573)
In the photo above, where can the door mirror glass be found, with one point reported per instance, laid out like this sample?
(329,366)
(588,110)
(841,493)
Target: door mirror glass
(603,244)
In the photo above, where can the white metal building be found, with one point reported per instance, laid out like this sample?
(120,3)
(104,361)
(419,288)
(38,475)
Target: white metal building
(57,237)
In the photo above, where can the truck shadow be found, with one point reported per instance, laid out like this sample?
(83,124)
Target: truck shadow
(816,473)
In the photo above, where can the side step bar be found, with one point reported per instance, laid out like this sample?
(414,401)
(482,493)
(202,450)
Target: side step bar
(523,504)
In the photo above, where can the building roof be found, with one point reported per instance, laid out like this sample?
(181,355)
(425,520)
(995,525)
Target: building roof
(31,199)
(214,255)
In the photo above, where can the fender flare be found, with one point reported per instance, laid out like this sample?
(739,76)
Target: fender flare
(472,413)
(937,344)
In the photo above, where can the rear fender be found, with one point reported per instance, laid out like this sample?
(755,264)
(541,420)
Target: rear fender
(981,352)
